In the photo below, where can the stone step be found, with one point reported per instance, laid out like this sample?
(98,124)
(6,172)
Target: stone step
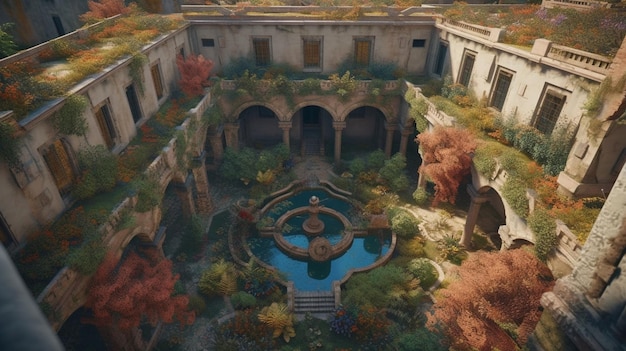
(314,302)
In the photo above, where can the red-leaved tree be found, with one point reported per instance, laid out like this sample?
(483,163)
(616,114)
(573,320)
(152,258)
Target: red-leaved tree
(446,159)
(139,288)
(99,10)
(495,291)
(194,74)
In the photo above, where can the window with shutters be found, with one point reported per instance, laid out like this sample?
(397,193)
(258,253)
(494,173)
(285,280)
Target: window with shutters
(363,50)
(105,123)
(262,51)
(312,53)
(155,71)
(59,161)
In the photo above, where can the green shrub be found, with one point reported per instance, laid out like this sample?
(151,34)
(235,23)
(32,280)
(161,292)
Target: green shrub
(357,166)
(421,339)
(87,257)
(514,192)
(191,240)
(404,224)
(148,193)
(421,196)
(99,171)
(239,165)
(242,300)
(544,228)
(422,269)
(485,158)
(393,173)
(376,160)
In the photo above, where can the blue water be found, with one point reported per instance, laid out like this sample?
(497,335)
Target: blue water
(312,275)
(315,276)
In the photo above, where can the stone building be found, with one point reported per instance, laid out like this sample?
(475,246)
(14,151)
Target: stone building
(545,87)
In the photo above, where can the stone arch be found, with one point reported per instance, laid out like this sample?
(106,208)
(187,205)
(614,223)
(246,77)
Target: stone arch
(236,113)
(347,109)
(259,126)
(491,215)
(367,129)
(311,128)
(77,335)
(314,102)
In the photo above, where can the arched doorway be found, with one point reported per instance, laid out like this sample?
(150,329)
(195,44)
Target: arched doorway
(364,132)
(312,130)
(77,334)
(258,127)
(491,216)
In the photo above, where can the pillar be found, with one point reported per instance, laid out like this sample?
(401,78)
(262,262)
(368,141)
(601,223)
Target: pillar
(231,131)
(216,144)
(203,194)
(339,127)
(404,140)
(472,216)
(185,196)
(286,127)
(390,128)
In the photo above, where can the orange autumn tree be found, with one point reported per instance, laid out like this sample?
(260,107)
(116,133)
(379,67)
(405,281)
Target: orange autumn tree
(194,74)
(139,288)
(497,295)
(447,159)
(99,10)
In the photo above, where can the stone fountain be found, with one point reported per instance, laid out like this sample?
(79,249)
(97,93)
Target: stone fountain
(313,226)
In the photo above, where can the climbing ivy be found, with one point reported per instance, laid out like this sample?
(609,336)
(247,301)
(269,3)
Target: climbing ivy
(69,120)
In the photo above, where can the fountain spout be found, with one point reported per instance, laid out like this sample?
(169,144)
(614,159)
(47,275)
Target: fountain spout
(313,225)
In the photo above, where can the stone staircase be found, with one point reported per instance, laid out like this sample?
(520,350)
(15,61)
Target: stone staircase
(314,302)
(311,146)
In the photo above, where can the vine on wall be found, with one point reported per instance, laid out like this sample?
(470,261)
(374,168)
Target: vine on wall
(69,120)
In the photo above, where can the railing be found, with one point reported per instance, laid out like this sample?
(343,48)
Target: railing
(568,248)
(491,34)
(434,116)
(576,4)
(579,58)
(303,12)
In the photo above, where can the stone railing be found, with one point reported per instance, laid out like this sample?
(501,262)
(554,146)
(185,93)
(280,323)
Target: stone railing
(579,58)
(325,85)
(568,248)
(434,116)
(575,4)
(200,11)
(491,34)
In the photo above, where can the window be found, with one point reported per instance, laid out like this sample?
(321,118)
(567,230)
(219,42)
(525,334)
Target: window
(312,53)
(418,43)
(550,108)
(6,235)
(107,129)
(619,163)
(441,58)
(466,68)
(208,43)
(262,52)
(133,103)
(27,170)
(181,52)
(155,71)
(503,82)
(58,25)
(363,51)
(59,162)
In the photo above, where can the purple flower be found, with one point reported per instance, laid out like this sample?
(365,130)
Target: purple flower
(558,19)
(542,13)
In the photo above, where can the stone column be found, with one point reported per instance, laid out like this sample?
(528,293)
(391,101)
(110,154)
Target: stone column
(185,196)
(216,144)
(286,127)
(231,131)
(472,216)
(404,140)
(390,128)
(203,196)
(339,127)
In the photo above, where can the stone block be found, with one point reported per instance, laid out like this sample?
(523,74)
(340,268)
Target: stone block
(541,47)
